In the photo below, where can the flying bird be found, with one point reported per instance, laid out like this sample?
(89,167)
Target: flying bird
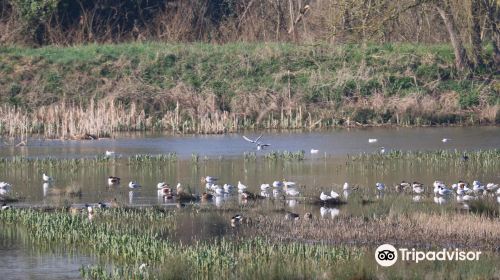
(260,145)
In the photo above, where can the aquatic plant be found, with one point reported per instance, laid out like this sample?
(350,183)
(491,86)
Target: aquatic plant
(285,155)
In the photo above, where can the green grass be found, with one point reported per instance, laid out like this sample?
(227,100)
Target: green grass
(321,79)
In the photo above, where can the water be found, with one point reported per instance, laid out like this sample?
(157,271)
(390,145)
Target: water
(20,259)
(221,156)
(333,142)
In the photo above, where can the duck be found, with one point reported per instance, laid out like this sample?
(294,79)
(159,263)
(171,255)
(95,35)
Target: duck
(249,195)
(5,185)
(403,186)
(314,151)
(292,216)
(324,196)
(308,216)
(46,178)
(372,140)
(5,207)
(444,140)
(206,196)
(112,180)
(162,185)
(241,187)
(236,219)
(346,186)
(380,186)
(102,205)
(381,150)
(418,188)
(417,198)
(264,187)
(165,191)
(133,185)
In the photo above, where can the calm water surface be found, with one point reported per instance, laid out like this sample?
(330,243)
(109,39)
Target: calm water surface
(221,156)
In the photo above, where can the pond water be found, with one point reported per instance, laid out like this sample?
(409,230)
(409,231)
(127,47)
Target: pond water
(332,142)
(21,259)
(221,156)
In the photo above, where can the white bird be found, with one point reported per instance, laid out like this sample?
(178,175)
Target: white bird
(5,185)
(314,151)
(110,153)
(228,188)
(289,184)
(219,191)
(46,178)
(346,186)
(444,140)
(498,191)
(491,187)
(161,185)
(418,188)
(468,197)
(324,196)
(5,207)
(454,186)
(209,179)
(133,185)
(278,184)
(292,192)
(179,189)
(260,145)
(90,209)
(372,140)
(498,199)
(334,195)
(382,150)
(380,186)
(241,187)
(264,187)
(417,198)
(477,187)
(444,191)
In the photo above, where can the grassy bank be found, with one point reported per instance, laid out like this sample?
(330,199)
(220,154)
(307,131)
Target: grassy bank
(205,88)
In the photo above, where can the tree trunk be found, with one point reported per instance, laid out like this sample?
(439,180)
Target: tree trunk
(461,59)
(477,51)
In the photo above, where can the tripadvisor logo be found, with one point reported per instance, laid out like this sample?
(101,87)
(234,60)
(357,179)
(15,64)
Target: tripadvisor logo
(387,255)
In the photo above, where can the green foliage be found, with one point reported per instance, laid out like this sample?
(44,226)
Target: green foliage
(35,11)
(468,99)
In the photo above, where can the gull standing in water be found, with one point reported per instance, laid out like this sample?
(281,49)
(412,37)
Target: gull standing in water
(260,145)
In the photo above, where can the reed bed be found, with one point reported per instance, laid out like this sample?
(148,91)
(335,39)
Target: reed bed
(489,156)
(410,229)
(285,155)
(121,235)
